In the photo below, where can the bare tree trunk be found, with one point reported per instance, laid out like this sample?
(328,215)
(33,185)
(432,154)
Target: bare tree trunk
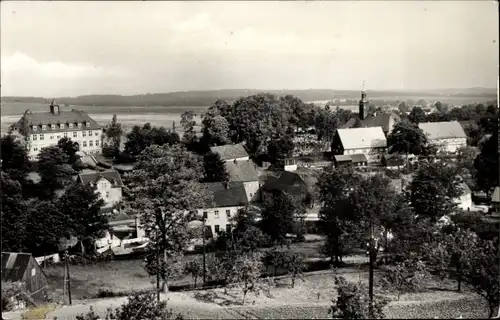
(165,281)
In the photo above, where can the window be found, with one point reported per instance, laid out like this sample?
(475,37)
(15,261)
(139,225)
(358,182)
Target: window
(58,137)
(228,213)
(96,133)
(61,126)
(107,194)
(44,127)
(217,229)
(228,227)
(70,125)
(41,137)
(97,143)
(79,125)
(88,124)
(90,133)
(51,137)
(91,143)
(35,149)
(251,195)
(84,133)
(65,134)
(205,214)
(33,272)
(34,137)
(75,134)
(84,144)
(53,127)
(216,212)
(35,128)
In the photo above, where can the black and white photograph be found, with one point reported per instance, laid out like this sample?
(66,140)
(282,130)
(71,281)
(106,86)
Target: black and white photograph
(249,160)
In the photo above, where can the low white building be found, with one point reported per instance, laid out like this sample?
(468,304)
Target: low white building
(231,152)
(368,141)
(447,136)
(109,184)
(246,172)
(226,200)
(44,129)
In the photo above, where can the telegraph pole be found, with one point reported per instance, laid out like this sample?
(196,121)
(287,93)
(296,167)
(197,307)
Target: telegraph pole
(204,255)
(371,266)
(66,260)
(157,271)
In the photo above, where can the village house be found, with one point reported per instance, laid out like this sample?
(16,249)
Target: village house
(109,184)
(368,141)
(226,200)
(357,160)
(22,267)
(447,136)
(289,182)
(381,119)
(245,172)
(44,129)
(231,152)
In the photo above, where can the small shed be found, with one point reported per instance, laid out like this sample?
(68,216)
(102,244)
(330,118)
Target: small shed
(342,160)
(359,160)
(23,267)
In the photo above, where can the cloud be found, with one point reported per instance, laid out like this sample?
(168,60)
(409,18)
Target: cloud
(20,63)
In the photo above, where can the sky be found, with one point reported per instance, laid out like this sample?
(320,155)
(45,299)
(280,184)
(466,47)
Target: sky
(56,48)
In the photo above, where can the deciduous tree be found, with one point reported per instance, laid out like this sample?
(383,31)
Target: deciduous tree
(487,166)
(70,148)
(54,170)
(215,168)
(246,271)
(15,159)
(406,138)
(417,115)
(114,132)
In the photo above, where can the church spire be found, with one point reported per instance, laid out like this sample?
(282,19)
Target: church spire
(363,103)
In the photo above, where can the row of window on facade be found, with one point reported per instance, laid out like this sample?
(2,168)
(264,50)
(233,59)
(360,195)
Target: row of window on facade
(216,214)
(84,144)
(65,134)
(61,126)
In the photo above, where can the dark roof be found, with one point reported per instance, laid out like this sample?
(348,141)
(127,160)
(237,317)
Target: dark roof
(289,182)
(242,171)
(358,157)
(230,151)
(350,123)
(94,176)
(64,117)
(232,196)
(380,120)
(14,265)
(342,158)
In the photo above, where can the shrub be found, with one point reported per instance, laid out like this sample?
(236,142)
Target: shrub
(11,290)
(37,313)
(406,276)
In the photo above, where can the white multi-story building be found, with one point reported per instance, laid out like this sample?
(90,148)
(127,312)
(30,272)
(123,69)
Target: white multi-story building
(44,129)
(108,185)
(447,136)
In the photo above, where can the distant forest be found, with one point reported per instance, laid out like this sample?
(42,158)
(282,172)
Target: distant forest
(206,98)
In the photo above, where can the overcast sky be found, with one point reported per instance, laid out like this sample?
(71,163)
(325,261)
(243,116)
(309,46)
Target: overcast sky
(77,48)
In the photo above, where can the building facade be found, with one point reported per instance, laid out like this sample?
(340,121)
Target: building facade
(446,136)
(44,129)
(108,185)
(368,141)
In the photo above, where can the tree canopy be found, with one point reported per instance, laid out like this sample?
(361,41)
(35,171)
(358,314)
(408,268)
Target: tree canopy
(486,165)
(15,160)
(214,168)
(141,138)
(407,138)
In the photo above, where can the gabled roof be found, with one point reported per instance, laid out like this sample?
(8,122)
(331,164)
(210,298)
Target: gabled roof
(242,171)
(495,197)
(343,158)
(230,151)
(442,130)
(14,265)
(289,182)
(63,117)
(93,176)
(359,138)
(232,196)
(381,120)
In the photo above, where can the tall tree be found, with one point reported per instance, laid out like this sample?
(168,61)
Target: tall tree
(15,159)
(114,132)
(164,187)
(406,138)
(215,168)
(434,189)
(54,170)
(188,122)
(70,148)
(279,149)
(282,215)
(14,215)
(417,115)
(486,165)
(141,138)
(81,207)
(215,128)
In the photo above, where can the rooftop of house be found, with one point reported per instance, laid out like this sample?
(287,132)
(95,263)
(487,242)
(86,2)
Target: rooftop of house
(56,118)
(381,120)
(14,265)
(242,171)
(495,197)
(360,138)
(342,158)
(230,151)
(88,176)
(442,130)
(231,195)
(290,182)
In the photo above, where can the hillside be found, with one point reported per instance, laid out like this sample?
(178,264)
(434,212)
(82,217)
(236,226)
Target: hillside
(206,98)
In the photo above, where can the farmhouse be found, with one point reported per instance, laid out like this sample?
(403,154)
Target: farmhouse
(447,136)
(43,129)
(368,141)
(109,184)
(226,200)
(358,160)
(288,182)
(23,267)
(246,172)
(231,152)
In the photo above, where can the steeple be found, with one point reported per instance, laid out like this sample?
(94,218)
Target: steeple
(363,104)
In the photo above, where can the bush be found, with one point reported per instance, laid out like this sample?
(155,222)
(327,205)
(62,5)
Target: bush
(37,313)
(405,277)
(11,290)
(140,306)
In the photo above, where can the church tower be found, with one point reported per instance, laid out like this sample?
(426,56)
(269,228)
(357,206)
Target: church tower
(363,104)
